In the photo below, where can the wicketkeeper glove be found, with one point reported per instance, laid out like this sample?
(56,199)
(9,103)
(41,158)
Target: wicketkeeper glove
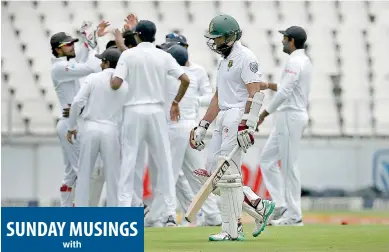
(245,137)
(197,135)
(88,34)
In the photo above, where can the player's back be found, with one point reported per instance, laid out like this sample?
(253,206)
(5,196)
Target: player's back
(189,103)
(104,104)
(147,68)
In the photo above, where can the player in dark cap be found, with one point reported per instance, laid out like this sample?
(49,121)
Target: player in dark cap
(294,38)
(102,117)
(145,68)
(68,67)
(289,105)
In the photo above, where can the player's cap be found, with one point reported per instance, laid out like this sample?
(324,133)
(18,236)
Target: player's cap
(176,38)
(295,32)
(179,53)
(110,44)
(166,46)
(111,54)
(129,39)
(60,39)
(146,29)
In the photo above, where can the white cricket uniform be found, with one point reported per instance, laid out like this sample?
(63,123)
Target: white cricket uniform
(241,67)
(102,116)
(65,76)
(145,68)
(97,177)
(185,158)
(290,105)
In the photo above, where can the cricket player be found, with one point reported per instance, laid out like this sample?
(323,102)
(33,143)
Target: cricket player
(199,93)
(186,159)
(145,68)
(237,96)
(102,117)
(66,71)
(290,108)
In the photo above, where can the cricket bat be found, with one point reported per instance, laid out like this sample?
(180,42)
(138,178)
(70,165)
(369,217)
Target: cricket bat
(208,187)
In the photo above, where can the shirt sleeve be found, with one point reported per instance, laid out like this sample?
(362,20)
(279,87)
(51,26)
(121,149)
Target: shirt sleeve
(205,88)
(68,71)
(79,102)
(251,71)
(82,52)
(288,83)
(121,70)
(173,69)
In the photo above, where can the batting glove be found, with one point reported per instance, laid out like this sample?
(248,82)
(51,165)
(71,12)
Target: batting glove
(197,136)
(245,137)
(88,34)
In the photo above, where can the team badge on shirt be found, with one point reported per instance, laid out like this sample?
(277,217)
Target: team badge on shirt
(254,67)
(230,63)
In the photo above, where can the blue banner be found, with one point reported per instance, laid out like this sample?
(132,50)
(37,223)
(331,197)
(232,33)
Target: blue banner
(83,228)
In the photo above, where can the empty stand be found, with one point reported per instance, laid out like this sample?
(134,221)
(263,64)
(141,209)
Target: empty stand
(347,43)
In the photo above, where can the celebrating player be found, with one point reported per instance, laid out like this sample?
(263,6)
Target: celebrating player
(145,67)
(102,115)
(68,67)
(290,105)
(186,159)
(235,106)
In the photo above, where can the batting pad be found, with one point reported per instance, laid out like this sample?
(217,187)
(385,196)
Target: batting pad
(231,197)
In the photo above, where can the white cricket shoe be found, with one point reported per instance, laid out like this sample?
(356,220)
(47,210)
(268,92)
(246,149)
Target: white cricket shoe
(278,213)
(223,236)
(265,212)
(287,222)
(171,221)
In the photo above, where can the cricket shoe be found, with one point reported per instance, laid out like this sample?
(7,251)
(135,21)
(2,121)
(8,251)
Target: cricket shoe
(223,236)
(170,222)
(287,222)
(277,214)
(265,208)
(146,210)
(240,232)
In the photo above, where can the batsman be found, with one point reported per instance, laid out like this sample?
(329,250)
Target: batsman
(235,107)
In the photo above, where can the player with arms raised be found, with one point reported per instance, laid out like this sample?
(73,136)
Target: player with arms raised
(235,106)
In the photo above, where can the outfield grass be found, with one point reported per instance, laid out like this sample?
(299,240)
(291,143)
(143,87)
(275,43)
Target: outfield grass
(310,238)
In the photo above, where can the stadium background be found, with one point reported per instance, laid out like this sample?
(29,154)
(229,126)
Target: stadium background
(345,151)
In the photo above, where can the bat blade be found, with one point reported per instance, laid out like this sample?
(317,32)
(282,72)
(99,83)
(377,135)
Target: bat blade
(208,187)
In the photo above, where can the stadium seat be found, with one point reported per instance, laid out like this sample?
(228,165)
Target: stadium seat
(333,25)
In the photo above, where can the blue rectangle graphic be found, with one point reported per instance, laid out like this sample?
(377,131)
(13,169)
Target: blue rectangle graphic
(83,228)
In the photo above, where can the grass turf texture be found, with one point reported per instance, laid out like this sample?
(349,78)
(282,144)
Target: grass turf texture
(312,238)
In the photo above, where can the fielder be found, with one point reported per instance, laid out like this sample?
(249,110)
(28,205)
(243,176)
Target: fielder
(145,68)
(233,106)
(290,106)
(186,159)
(102,116)
(65,75)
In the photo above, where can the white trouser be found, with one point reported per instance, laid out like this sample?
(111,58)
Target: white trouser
(147,123)
(187,160)
(283,144)
(223,141)
(104,139)
(70,157)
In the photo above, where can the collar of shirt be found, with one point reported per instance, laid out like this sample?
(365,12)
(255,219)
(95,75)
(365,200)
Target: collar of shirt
(59,59)
(297,52)
(109,70)
(145,45)
(236,50)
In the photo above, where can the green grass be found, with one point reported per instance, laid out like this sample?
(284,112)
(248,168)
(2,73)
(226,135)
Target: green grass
(310,238)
